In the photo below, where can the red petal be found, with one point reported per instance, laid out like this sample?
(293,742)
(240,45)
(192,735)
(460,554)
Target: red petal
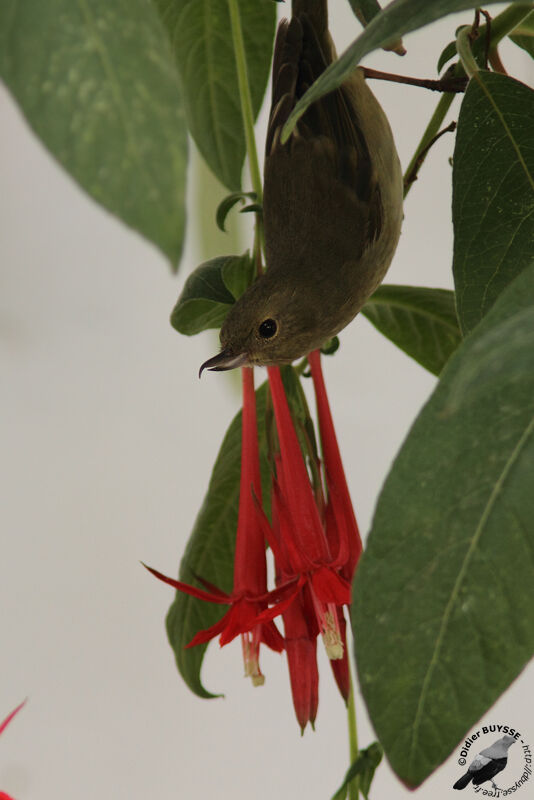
(5,723)
(210,633)
(271,636)
(281,605)
(307,530)
(302,662)
(210,597)
(330,588)
(241,618)
(211,587)
(4,796)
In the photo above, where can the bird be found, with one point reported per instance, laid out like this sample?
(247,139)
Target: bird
(332,206)
(488,763)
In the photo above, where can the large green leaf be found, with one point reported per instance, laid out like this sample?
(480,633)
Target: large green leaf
(493,192)
(201,39)
(210,550)
(420,321)
(398,18)
(210,291)
(444,596)
(97,83)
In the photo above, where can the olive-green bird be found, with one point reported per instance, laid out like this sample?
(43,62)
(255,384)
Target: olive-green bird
(332,206)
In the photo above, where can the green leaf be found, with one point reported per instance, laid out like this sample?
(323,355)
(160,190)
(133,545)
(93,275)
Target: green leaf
(201,38)
(420,321)
(210,291)
(447,53)
(400,17)
(97,83)
(493,192)
(523,36)
(443,608)
(365,766)
(252,207)
(205,300)
(331,346)
(238,274)
(226,205)
(365,10)
(210,550)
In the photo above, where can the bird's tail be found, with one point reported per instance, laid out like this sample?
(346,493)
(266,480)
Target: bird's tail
(317,12)
(462,782)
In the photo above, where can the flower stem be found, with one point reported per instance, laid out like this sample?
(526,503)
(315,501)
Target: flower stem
(245,99)
(354,785)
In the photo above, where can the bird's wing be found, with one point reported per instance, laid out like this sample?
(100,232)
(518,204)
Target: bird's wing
(487,772)
(478,762)
(325,167)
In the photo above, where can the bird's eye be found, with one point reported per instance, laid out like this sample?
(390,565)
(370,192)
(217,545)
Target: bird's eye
(268,328)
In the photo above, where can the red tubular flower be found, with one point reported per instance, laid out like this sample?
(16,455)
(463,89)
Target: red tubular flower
(300,546)
(339,502)
(340,519)
(247,599)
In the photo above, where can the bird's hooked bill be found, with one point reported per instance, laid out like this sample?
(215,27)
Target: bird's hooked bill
(224,360)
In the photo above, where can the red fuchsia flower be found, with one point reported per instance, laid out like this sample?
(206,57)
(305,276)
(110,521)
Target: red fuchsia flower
(248,596)
(310,549)
(3,726)
(302,551)
(316,548)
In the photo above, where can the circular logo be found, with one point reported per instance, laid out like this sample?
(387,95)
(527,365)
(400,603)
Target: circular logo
(484,757)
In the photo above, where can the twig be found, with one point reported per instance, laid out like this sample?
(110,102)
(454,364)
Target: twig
(448,83)
(411,176)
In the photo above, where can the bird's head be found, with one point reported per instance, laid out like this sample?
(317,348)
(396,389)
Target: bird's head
(507,740)
(273,322)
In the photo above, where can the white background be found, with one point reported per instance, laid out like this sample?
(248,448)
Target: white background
(108,439)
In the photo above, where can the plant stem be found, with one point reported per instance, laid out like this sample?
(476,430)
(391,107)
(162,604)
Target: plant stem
(431,131)
(446,84)
(354,785)
(507,21)
(463,47)
(245,99)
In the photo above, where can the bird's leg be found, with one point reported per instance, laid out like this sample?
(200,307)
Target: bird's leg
(448,83)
